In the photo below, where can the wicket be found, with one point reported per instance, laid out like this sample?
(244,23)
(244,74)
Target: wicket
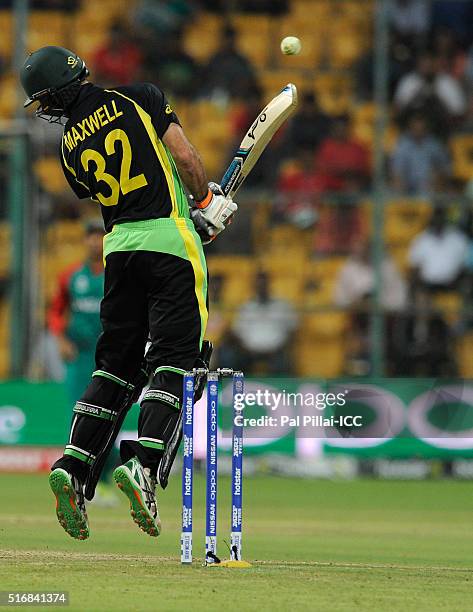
(211,558)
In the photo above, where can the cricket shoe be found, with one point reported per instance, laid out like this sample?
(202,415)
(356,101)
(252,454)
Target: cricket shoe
(70,503)
(139,486)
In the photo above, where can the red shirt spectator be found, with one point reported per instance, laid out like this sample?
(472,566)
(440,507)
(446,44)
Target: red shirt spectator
(340,160)
(300,182)
(300,189)
(119,61)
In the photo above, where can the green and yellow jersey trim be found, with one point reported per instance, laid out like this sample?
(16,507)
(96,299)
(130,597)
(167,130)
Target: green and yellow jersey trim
(197,259)
(165,159)
(70,168)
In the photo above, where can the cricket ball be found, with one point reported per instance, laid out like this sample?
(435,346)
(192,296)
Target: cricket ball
(291,45)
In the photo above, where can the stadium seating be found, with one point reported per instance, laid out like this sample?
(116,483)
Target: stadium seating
(6,39)
(334,92)
(399,253)
(364,117)
(49,28)
(273,80)
(8,99)
(347,43)
(450,305)
(238,274)
(254,36)
(320,282)
(462,149)
(404,219)
(50,175)
(335,35)
(4,248)
(464,352)
(199,46)
(320,345)
(4,339)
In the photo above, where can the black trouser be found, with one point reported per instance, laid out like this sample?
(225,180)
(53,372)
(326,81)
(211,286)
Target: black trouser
(146,294)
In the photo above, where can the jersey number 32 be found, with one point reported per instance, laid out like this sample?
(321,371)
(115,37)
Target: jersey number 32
(126,183)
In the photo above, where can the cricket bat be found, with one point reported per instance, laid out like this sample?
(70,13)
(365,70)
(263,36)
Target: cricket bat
(258,137)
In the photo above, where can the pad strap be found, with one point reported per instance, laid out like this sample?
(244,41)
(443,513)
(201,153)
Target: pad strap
(158,395)
(170,369)
(113,378)
(79,453)
(152,443)
(95,411)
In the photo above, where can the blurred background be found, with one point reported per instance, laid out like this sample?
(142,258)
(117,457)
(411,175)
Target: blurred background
(351,257)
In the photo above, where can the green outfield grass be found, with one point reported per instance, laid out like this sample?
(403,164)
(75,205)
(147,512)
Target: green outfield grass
(362,545)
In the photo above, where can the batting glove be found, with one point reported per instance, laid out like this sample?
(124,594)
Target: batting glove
(206,232)
(217,209)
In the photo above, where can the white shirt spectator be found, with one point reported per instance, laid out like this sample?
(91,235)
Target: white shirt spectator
(439,257)
(265,326)
(445,87)
(356,280)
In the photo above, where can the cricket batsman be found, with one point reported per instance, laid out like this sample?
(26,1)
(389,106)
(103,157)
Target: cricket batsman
(125,149)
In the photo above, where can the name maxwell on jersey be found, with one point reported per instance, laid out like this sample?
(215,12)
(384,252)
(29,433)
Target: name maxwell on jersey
(91,124)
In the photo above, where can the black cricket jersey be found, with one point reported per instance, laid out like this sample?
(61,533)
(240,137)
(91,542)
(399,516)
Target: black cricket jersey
(112,152)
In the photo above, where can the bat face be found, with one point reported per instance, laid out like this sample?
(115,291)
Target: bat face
(258,137)
(271,117)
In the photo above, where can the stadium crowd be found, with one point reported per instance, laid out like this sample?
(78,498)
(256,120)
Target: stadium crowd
(318,177)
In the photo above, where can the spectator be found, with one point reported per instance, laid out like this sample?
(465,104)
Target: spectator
(400,61)
(420,161)
(437,256)
(74,319)
(341,161)
(342,166)
(409,18)
(228,72)
(354,290)
(450,58)
(299,192)
(119,61)
(309,127)
(262,332)
(74,315)
(356,281)
(469,71)
(164,19)
(171,67)
(428,90)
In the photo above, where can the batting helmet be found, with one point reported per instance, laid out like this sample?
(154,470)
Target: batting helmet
(52,76)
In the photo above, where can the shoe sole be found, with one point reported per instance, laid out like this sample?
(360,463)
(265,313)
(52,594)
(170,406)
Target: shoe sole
(138,509)
(70,518)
